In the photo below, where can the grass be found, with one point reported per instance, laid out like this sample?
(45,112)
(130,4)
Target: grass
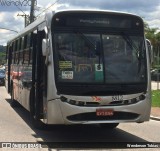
(2,54)
(156,66)
(156,98)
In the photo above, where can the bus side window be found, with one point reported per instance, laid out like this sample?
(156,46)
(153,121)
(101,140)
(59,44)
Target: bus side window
(21,50)
(16,52)
(26,48)
(12,52)
(31,48)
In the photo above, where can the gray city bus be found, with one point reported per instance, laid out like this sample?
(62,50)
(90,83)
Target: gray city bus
(81,67)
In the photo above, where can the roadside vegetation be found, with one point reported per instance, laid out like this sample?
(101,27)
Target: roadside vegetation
(2,58)
(156,98)
(2,54)
(153,34)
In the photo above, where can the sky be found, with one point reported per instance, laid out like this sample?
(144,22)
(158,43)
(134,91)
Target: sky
(11,11)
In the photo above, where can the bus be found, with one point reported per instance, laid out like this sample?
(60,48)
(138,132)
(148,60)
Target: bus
(81,67)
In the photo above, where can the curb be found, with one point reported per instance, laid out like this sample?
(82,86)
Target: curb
(155,118)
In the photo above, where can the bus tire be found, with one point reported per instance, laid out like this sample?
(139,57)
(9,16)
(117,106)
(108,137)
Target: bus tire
(109,125)
(37,123)
(13,103)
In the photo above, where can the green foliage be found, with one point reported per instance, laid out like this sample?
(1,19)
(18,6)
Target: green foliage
(2,48)
(2,54)
(156,98)
(152,34)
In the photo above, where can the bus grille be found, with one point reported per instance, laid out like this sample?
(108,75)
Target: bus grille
(91,116)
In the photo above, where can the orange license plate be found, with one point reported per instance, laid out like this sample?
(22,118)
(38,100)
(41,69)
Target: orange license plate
(104,112)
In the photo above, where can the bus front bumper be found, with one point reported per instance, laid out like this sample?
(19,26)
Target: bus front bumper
(65,113)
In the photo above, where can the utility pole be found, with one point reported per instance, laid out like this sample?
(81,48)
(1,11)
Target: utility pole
(25,19)
(32,17)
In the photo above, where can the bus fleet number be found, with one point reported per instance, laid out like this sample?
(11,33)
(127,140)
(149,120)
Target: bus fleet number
(117,98)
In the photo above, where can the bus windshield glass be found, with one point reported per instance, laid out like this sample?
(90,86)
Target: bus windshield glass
(85,58)
(104,55)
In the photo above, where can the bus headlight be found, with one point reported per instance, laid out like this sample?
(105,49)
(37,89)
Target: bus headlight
(142,97)
(134,100)
(139,98)
(63,99)
(72,102)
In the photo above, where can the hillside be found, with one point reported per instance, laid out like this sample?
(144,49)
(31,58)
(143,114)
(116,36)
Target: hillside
(2,48)
(2,54)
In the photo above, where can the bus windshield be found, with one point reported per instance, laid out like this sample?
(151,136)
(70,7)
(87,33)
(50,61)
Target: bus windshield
(100,58)
(99,53)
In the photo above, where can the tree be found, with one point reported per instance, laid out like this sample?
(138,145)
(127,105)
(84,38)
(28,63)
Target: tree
(2,54)
(154,37)
(150,33)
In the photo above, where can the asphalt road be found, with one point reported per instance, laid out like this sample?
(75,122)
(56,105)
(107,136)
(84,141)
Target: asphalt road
(15,126)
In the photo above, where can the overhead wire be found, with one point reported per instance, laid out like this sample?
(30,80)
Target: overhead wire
(47,8)
(21,11)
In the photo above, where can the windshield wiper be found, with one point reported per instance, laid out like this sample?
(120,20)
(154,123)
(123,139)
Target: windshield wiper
(132,45)
(85,38)
(94,46)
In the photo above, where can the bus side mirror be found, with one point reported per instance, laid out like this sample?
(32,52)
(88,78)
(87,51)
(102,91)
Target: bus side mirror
(150,51)
(45,47)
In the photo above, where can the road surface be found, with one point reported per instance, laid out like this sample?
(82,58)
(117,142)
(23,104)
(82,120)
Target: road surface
(15,126)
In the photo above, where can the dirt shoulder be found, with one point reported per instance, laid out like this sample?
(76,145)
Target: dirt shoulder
(155,111)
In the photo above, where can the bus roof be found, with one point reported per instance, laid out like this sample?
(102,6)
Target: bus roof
(94,10)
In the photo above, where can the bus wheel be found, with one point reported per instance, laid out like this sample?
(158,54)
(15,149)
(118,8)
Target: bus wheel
(109,125)
(37,123)
(13,103)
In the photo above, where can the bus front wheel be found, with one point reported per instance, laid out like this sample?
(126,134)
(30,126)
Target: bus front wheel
(37,123)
